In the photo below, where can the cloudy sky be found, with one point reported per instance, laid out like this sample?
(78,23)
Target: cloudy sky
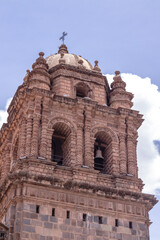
(121,34)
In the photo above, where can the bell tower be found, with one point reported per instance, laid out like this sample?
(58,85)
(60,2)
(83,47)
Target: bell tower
(68,162)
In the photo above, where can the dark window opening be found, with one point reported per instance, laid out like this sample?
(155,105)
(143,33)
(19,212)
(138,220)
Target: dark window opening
(37,208)
(2,234)
(80,94)
(98,157)
(116,223)
(84,217)
(100,220)
(53,212)
(68,214)
(130,224)
(57,151)
(82,90)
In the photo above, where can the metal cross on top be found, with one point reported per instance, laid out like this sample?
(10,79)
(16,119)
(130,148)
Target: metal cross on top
(63,36)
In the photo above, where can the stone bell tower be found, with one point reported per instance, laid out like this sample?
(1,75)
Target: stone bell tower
(68,165)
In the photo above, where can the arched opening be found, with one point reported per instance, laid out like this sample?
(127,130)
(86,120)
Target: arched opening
(61,144)
(103,153)
(82,90)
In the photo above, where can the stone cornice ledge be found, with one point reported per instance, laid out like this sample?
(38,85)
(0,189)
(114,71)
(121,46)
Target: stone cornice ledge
(24,176)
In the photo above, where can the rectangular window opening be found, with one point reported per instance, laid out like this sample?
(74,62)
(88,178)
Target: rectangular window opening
(116,222)
(130,225)
(84,217)
(68,214)
(53,212)
(37,208)
(100,219)
(2,234)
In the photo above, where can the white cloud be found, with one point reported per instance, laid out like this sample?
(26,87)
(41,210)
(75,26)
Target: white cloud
(4,114)
(147,101)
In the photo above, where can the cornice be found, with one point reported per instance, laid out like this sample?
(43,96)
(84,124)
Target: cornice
(75,69)
(72,185)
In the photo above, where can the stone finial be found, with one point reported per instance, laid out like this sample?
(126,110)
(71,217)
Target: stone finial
(118,82)
(39,76)
(96,63)
(40,63)
(62,55)
(41,54)
(96,67)
(63,49)
(119,97)
(117,73)
(80,62)
(26,76)
(62,60)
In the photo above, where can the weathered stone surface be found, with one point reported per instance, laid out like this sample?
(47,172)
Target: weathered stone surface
(68,164)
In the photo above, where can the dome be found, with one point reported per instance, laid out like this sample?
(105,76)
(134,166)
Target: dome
(67,58)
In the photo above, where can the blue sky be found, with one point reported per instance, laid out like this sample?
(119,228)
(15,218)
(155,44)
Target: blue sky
(121,34)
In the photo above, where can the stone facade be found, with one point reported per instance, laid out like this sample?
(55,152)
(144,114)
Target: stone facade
(68,165)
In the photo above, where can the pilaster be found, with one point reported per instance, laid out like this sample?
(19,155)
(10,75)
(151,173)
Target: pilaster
(29,135)
(22,137)
(122,152)
(36,127)
(80,149)
(131,159)
(44,125)
(35,136)
(87,137)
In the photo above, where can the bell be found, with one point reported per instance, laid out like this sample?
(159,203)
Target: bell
(99,160)
(99,154)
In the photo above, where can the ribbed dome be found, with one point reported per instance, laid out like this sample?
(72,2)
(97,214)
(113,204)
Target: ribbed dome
(67,58)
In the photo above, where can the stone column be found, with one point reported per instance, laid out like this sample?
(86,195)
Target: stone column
(22,138)
(114,147)
(5,161)
(73,149)
(80,134)
(122,153)
(92,140)
(7,158)
(87,136)
(2,162)
(49,143)
(135,157)
(131,160)
(43,141)
(44,125)
(29,135)
(87,147)
(80,150)
(35,136)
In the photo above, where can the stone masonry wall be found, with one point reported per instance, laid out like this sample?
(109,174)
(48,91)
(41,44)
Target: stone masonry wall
(80,224)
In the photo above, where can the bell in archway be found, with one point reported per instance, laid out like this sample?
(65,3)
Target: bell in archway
(99,154)
(98,160)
